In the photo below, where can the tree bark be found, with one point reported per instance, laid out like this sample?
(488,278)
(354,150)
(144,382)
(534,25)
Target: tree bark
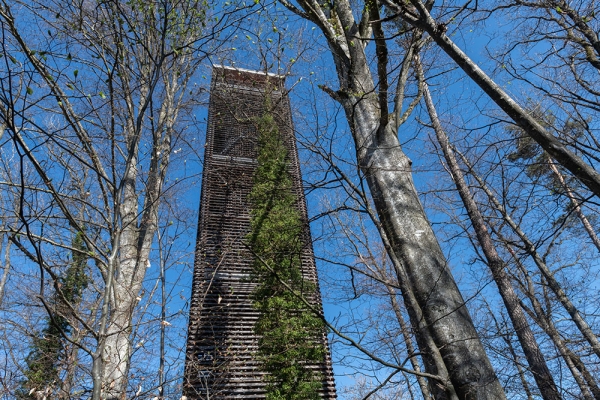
(135,243)
(535,358)
(557,150)
(5,267)
(388,173)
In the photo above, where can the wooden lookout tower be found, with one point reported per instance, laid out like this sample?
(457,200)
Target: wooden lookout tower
(221,360)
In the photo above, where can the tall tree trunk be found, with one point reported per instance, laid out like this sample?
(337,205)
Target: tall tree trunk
(5,268)
(440,388)
(163,325)
(134,244)
(544,320)
(388,174)
(579,168)
(535,358)
(431,356)
(134,251)
(530,248)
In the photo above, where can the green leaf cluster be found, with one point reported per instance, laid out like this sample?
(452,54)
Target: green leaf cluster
(75,279)
(289,332)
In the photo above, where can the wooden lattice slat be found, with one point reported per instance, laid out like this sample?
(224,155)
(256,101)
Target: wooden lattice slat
(221,347)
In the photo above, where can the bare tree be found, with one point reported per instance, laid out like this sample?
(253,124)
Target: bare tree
(365,95)
(535,358)
(540,166)
(539,260)
(419,14)
(95,110)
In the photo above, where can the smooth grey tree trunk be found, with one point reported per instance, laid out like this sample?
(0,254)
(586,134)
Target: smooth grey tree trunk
(388,173)
(134,246)
(5,267)
(440,388)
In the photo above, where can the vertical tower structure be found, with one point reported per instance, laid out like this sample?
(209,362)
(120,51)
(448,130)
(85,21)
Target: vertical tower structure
(221,354)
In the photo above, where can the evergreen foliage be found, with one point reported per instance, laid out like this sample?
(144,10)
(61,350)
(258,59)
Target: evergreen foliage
(76,280)
(530,155)
(43,361)
(288,332)
(536,162)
